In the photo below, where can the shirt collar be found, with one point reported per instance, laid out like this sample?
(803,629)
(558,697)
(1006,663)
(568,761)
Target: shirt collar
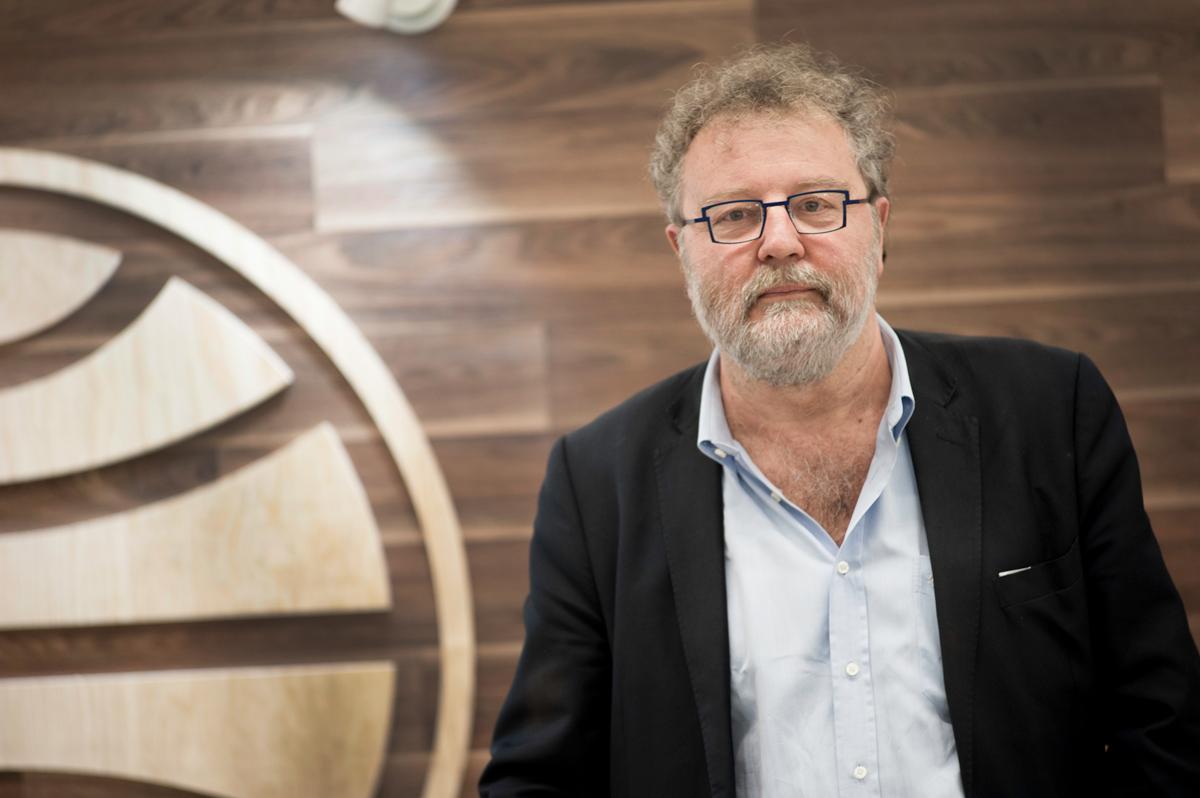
(716,441)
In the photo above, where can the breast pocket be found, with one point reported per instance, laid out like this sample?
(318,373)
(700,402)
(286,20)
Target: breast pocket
(1039,579)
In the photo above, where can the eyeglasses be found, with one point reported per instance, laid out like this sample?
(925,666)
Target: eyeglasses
(811,212)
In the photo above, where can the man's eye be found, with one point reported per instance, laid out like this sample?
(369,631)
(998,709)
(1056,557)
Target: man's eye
(735,215)
(812,206)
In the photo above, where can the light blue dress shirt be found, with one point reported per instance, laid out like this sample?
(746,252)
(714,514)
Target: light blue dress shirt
(835,665)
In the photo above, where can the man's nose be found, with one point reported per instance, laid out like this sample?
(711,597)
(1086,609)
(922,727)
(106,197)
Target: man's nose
(780,242)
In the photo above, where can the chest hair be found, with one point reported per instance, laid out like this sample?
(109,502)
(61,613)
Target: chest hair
(822,476)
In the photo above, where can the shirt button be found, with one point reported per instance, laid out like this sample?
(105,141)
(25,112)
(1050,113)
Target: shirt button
(860,773)
(719,453)
(843,568)
(852,669)
(775,495)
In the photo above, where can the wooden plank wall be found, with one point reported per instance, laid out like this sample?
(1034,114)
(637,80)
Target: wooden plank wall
(474,198)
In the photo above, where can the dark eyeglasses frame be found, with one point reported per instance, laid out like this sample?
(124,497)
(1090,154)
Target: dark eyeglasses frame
(704,217)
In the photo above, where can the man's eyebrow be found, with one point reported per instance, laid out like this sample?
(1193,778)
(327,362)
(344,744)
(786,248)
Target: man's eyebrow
(812,184)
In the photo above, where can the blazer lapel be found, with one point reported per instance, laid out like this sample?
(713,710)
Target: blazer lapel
(692,518)
(945,454)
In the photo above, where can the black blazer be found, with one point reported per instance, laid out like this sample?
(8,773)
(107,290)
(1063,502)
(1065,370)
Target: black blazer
(1076,677)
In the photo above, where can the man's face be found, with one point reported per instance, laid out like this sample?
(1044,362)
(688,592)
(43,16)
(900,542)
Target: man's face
(786,307)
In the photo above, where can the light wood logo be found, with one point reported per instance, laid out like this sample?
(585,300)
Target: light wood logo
(293,532)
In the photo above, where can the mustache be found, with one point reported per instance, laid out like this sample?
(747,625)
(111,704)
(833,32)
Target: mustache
(795,274)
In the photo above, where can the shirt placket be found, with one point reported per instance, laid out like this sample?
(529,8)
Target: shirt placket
(851,674)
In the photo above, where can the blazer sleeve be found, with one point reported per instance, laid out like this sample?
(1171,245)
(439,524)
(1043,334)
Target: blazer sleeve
(1147,664)
(552,735)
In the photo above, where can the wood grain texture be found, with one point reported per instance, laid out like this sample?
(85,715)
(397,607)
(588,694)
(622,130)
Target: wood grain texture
(44,279)
(493,63)
(544,154)
(262,179)
(1048,138)
(67,19)
(500,274)
(292,533)
(1075,242)
(1142,343)
(185,365)
(1181,122)
(268,733)
(948,42)
(329,327)
(1176,530)
(399,173)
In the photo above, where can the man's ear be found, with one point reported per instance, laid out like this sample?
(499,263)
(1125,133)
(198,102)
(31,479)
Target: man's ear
(673,231)
(882,207)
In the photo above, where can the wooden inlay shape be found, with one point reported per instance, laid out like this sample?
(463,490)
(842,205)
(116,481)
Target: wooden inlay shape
(45,278)
(291,533)
(183,366)
(283,732)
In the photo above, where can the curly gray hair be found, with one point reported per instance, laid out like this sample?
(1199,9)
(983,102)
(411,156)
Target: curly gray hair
(774,79)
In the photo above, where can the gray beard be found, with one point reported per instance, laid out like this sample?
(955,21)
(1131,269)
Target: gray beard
(797,342)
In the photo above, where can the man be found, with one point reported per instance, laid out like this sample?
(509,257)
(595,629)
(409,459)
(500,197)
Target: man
(838,559)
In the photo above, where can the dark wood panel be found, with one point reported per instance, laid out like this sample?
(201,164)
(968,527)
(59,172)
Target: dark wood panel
(1166,434)
(938,42)
(1181,122)
(491,63)
(1036,240)
(1141,342)
(57,785)
(1176,531)
(594,367)
(1022,137)
(400,173)
(21,19)
(578,269)
(495,480)
(263,183)
(58,213)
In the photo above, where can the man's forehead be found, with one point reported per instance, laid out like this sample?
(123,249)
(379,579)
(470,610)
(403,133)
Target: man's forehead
(724,130)
(810,144)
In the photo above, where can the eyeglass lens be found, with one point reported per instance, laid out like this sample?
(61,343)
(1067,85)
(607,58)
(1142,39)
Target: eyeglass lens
(734,222)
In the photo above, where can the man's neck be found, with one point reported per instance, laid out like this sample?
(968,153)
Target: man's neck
(856,391)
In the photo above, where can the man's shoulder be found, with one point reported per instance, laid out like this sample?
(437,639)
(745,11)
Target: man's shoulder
(988,358)
(985,346)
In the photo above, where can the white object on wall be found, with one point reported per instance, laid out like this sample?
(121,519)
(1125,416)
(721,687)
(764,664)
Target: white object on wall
(401,16)
(45,278)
